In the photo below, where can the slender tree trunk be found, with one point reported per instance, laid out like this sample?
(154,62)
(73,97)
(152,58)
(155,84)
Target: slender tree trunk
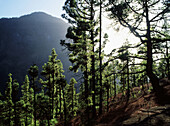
(35,119)
(134,81)
(154,79)
(60,89)
(53,97)
(50,95)
(60,101)
(100,50)
(65,113)
(14,101)
(167,53)
(114,85)
(111,89)
(107,96)
(9,116)
(93,61)
(48,117)
(15,112)
(26,120)
(167,60)
(133,75)
(128,90)
(72,106)
(86,84)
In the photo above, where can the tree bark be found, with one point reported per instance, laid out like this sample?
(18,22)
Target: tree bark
(35,118)
(114,85)
(107,95)
(65,112)
(53,96)
(100,49)
(153,78)
(86,84)
(93,61)
(167,60)
(128,90)
(60,100)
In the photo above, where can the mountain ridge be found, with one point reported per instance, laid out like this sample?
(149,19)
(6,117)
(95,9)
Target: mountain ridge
(27,40)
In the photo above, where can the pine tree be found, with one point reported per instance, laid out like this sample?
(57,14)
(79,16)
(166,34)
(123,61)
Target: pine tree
(124,56)
(60,85)
(46,72)
(26,102)
(43,108)
(79,48)
(71,98)
(64,87)
(53,63)
(83,32)
(33,72)
(53,73)
(8,104)
(123,11)
(15,98)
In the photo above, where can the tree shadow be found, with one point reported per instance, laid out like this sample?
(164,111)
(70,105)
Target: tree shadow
(118,114)
(157,119)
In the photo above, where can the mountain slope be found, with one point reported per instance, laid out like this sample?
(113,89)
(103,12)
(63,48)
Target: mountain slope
(28,40)
(142,109)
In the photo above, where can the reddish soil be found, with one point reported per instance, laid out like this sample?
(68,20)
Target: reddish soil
(141,110)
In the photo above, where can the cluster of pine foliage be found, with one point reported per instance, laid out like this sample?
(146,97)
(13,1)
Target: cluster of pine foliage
(56,101)
(43,101)
(146,19)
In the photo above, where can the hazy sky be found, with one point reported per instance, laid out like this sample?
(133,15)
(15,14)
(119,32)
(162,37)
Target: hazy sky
(16,8)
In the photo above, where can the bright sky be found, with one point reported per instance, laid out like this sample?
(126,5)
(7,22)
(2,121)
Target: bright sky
(17,8)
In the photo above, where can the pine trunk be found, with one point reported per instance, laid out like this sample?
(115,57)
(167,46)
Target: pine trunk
(153,78)
(35,119)
(107,96)
(86,84)
(50,95)
(53,97)
(60,101)
(93,61)
(128,90)
(114,85)
(72,105)
(65,113)
(100,50)
(167,60)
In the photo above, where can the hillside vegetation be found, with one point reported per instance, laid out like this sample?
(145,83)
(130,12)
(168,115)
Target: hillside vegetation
(28,40)
(130,86)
